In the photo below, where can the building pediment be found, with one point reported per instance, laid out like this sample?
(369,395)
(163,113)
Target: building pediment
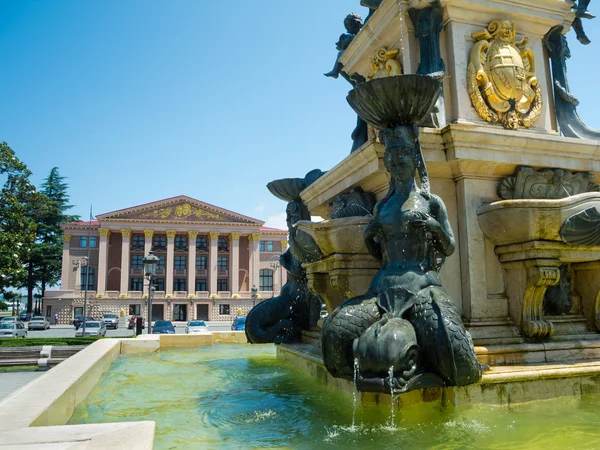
(181,209)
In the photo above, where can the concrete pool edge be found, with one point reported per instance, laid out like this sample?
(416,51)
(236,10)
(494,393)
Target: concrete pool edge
(47,403)
(501,385)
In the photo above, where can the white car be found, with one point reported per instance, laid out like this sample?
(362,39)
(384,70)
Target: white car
(95,328)
(38,323)
(12,329)
(196,326)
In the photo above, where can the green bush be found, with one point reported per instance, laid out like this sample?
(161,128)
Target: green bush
(3,306)
(32,342)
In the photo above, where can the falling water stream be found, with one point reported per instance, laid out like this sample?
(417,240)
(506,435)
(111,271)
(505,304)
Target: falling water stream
(354,391)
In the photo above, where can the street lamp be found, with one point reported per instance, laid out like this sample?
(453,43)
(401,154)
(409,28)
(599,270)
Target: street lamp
(84,263)
(150,264)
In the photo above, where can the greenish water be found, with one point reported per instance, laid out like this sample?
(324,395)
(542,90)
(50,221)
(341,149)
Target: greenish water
(241,396)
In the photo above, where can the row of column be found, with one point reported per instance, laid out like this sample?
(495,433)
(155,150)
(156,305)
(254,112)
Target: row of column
(234,259)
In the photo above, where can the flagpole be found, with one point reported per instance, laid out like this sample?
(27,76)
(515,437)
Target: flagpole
(87,272)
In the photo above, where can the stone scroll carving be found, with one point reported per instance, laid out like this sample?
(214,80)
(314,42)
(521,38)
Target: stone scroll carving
(352,204)
(528,183)
(539,278)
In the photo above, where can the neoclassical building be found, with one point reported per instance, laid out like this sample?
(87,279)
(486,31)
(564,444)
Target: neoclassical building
(209,260)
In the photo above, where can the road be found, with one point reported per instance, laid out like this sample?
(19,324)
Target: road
(69,331)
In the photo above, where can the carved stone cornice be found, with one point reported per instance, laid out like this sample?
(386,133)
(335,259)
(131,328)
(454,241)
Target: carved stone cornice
(213,235)
(104,232)
(126,232)
(149,233)
(235,236)
(171,234)
(66,238)
(254,237)
(192,235)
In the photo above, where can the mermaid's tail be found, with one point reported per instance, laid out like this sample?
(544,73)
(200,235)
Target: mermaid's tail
(445,343)
(348,322)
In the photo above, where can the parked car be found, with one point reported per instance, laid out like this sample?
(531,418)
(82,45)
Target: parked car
(131,324)
(11,319)
(163,327)
(239,324)
(38,323)
(196,326)
(111,321)
(12,329)
(79,320)
(24,316)
(93,328)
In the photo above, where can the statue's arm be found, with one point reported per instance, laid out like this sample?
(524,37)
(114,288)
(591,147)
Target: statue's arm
(371,240)
(440,226)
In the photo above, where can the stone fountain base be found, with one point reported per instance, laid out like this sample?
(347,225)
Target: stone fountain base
(501,385)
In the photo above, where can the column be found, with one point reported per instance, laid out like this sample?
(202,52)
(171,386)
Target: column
(170,261)
(191,274)
(102,260)
(213,238)
(66,263)
(234,262)
(254,240)
(125,247)
(148,235)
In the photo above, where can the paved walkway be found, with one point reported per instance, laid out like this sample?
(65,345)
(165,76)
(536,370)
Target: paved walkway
(11,381)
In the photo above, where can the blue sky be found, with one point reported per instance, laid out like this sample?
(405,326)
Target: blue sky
(138,100)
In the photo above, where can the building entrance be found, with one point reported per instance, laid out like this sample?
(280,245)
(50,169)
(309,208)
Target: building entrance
(158,312)
(202,312)
(179,313)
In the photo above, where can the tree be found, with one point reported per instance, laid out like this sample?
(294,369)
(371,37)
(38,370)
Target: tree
(49,212)
(17,227)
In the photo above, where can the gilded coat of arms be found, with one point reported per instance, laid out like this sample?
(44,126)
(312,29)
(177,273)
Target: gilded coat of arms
(501,77)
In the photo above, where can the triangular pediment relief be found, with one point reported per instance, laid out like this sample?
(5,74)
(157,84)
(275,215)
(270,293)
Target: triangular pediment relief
(177,210)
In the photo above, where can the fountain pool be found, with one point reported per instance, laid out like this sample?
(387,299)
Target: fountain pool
(241,396)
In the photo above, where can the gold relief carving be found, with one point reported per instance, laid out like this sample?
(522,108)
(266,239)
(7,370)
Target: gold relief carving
(284,245)
(104,232)
(384,64)
(213,235)
(539,279)
(192,235)
(501,77)
(66,238)
(125,232)
(171,234)
(254,237)
(235,236)
(181,212)
(149,233)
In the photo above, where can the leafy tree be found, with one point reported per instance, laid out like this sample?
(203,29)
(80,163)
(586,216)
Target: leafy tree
(3,306)
(17,227)
(49,212)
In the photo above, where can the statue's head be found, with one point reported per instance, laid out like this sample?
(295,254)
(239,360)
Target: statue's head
(296,211)
(353,23)
(503,30)
(400,152)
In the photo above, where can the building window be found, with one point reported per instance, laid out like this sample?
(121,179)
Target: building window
(180,262)
(222,284)
(202,243)
(49,311)
(83,241)
(222,262)
(137,262)
(224,310)
(261,246)
(222,245)
(179,284)
(135,310)
(137,284)
(159,284)
(93,242)
(77,312)
(137,242)
(269,246)
(266,280)
(201,262)
(181,244)
(91,279)
(161,261)
(159,243)
(201,284)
